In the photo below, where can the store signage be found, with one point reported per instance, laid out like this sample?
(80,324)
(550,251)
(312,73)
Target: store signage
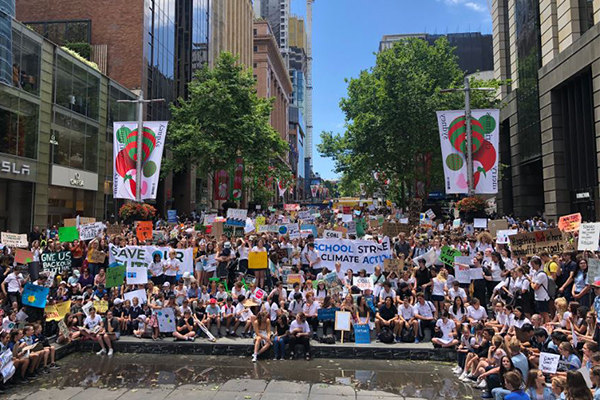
(583,195)
(76,180)
(73,178)
(13,168)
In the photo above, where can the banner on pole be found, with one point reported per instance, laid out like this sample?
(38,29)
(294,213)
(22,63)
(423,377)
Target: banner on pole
(453,138)
(125,156)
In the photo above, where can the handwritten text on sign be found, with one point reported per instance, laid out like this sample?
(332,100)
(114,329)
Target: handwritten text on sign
(532,243)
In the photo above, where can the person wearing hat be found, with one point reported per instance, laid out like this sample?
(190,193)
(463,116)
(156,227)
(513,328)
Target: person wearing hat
(142,331)
(213,314)
(186,328)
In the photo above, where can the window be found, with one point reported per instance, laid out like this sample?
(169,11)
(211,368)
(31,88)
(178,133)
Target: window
(586,15)
(63,32)
(18,126)
(26,62)
(255,48)
(77,88)
(75,142)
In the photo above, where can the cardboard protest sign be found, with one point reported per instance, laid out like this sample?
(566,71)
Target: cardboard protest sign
(14,239)
(392,229)
(549,362)
(68,234)
(144,230)
(236,217)
(533,243)
(257,260)
(115,276)
(342,321)
(90,231)
(217,229)
(62,327)
(56,262)
(503,234)
(166,320)
(35,296)
(332,234)
(97,257)
(113,229)
(342,230)
(569,223)
(362,334)
(352,254)
(363,283)
(393,265)
(294,278)
(496,225)
(136,275)
(456,223)
(140,294)
(447,255)
(23,256)
(593,273)
(327,314)
(589,235)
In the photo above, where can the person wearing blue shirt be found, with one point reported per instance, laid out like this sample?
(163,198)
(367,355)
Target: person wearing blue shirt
(512,381)
(568,357)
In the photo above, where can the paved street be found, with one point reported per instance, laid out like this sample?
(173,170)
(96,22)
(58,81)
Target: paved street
(234,389)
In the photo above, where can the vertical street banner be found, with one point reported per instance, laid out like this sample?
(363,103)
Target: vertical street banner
(453,137)
(125,180)
(238,180)
(221,186)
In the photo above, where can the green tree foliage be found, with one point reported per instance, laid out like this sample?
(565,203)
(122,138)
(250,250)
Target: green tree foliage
(391,114)
(222,119)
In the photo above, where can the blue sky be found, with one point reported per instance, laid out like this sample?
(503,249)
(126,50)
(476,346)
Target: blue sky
(346,33)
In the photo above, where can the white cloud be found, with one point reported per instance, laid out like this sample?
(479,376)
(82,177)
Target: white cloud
(476,7)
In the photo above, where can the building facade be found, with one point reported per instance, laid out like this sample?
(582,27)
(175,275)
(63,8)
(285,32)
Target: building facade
(473,49)
(277,14)
(549,52)
(55,115)
(231,29)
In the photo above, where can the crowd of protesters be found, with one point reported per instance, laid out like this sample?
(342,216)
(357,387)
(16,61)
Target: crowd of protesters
(499,323)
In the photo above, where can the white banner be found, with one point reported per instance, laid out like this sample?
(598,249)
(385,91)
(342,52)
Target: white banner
(14,239)
(589,235)
(485,132)
(90,231)
(141,256)
(352,254)
(125,155)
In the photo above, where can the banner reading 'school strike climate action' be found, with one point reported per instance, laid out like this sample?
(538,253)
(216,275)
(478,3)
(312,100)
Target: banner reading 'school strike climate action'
(354,254)
(141,256)
(125,156)
(453,138)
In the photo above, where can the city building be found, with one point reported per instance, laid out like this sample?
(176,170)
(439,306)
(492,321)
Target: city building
(231,29)
(55,130)
(277,14)
(473,49)
(550,121)
(273,81)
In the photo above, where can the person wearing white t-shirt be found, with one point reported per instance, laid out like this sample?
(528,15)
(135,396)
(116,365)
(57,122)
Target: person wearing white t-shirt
(426,313)
(476,313)
(172,267)
(406,317)
(386,292)
(448,329)
(93,323)
(300,334)
(228,315)
(311,311)
(458,311)
(12,285)
(539,284)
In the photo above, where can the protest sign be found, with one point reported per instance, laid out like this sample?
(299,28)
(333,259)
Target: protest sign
(257,260)
(593,272)
(140,294)
(352,254)
(342,321)
(86,308)
(393,265)
(342,230)
(392,229)
(62,327)
(589,235)
(236,217)
(351,228)
(7,368)
(332,234)
(142,256)
(430,214)
(113,229)
(310,227)
(569,223)
(217,229)
(14,239)
(447,255)
(362,334)
(35,296)
(68,234)
(101,306)
(456,223)
(268,229)
(480,223)
(549,362)
(291,207)
(89,231)
(51,313)
(532,243)
(294,278)
(172,216)
(503,234)
(23,256)
(430,257)
(363,283)
(115,276)
(476,273)
(63,308)
(136,275)
(496,225)
(463,274)
(71,222)
(327,314)
(143,230)
(56,262)
(166,320)
(305,215)
(97,257)
(346,218)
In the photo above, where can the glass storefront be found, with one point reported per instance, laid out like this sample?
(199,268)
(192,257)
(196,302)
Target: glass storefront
(18,125)
(74,142)
(16,206)
(77,88)
(64,202)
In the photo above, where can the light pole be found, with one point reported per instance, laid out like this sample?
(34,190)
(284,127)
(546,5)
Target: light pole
(140,101)
(467,89)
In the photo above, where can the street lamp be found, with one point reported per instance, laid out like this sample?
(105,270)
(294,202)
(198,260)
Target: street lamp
(467,90)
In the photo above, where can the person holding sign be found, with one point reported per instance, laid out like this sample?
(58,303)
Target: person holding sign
(260,273)
(300,334)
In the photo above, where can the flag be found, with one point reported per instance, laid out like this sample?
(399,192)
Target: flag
(221,186)
(237,180)
(313,190)
(485,133)
(125,180)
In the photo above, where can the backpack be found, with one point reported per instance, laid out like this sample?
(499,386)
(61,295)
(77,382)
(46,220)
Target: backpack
(407,335)
(328,339)
(551,289)
(386,335)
